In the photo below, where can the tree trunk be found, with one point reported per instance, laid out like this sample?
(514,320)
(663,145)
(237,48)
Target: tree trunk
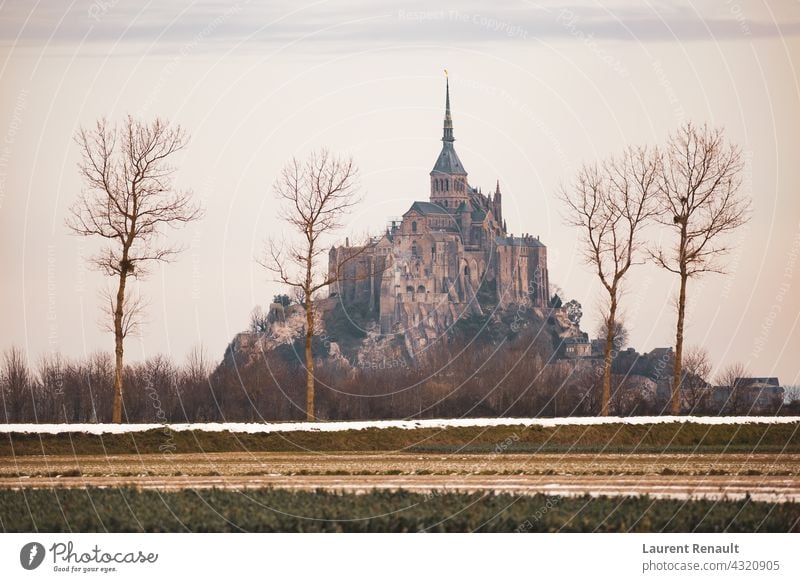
(116,410)
(309,360)
(608,356)
(676,380)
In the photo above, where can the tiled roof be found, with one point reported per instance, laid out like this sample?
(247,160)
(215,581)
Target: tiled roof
(448,162)
(428,208)
(518,241)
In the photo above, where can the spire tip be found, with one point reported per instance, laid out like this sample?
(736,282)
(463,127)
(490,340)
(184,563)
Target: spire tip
(447,135)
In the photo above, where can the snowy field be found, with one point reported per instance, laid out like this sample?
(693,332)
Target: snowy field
(273,427)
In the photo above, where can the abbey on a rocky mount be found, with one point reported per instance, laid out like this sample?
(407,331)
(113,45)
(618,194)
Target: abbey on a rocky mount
(432,267)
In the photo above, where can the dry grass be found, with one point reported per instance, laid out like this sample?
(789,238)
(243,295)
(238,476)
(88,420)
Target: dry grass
(287,464)
(609,438)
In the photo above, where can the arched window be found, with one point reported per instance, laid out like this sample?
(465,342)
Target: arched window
(414,226)
(414,249)
(447,185)
(421,289)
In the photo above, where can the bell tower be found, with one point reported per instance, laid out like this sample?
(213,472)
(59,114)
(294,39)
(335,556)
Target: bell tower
(449,186)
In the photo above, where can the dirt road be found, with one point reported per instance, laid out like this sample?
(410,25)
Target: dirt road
(764,477)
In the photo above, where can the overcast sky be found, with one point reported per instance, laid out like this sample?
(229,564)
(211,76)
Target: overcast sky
(537,89)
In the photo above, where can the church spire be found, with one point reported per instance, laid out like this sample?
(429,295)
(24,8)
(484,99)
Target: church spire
(448,178)
(498,205)
(447,134)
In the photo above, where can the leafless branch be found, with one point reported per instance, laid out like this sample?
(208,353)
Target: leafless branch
(699,200)
(610,203)
(134,308)
(315,195)
(127,198)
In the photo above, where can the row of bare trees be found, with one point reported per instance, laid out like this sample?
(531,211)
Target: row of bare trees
(58,389)
(273,388)
(513,382)
(690,187)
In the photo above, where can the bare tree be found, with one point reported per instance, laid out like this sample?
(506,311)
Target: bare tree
(619,335)
(695,386)
(16,383)
(52,371)
(128,199)
(574,312)
(791,393)
(259,321)
(698,193)
(197,367)
(732,378)
(610,204)
(316,194)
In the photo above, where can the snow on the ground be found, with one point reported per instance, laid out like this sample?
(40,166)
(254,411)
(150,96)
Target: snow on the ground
(270,427)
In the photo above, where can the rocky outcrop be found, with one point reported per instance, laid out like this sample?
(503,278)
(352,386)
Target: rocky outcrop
(352,339)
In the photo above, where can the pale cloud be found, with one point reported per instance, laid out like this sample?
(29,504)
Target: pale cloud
(357,22)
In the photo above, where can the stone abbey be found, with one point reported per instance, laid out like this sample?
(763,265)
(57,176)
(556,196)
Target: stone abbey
(448,257)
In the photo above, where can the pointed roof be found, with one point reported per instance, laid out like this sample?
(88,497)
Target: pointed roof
(448,162)
(447,133)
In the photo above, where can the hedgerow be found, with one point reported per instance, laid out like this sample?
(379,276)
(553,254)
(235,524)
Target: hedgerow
(611,438)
